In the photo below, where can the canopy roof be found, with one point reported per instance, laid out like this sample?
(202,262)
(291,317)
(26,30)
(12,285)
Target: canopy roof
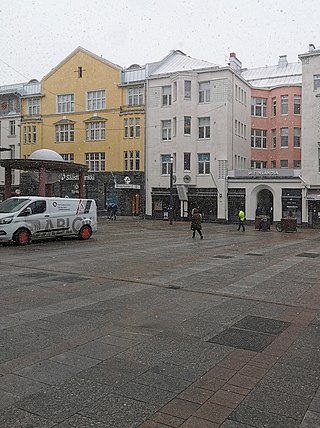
(36,164)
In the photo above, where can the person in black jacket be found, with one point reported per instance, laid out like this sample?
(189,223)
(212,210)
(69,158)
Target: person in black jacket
(196,223)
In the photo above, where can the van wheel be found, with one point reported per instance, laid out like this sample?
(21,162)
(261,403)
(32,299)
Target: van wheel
(22,237)
(85,232)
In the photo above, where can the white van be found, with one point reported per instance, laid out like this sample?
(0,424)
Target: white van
(25,218)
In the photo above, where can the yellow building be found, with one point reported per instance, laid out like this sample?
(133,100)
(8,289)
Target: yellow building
(80,114)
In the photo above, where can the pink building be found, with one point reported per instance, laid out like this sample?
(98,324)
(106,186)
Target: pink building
(275,115)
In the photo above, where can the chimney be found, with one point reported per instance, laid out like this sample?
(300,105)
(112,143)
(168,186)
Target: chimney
(311,47)
(234,63)
(283,62)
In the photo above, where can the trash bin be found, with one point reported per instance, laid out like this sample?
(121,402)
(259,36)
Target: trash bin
(264,225)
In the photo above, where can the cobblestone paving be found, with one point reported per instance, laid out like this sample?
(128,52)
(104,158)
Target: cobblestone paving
(143,326)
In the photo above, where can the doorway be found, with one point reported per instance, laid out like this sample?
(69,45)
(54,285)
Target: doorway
(265,203)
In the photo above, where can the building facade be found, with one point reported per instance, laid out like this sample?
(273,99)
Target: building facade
(81,114)
(198,125)
(311,132)
(10,114)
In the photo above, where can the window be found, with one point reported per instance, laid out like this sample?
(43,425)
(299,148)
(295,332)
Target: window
(284,104)
(166,163)
(65,133)
(96,161)
(259,107)
(65,103)
(284,137)
(258,138)
(204,92)
(316,81)
(283,164)
(296,137)
(174,127)
(204,163)
(38,207)
(187,125)
(274,106)
(33,106)
(135,96)
(96,100)
(138,127)
(12,148)
(95,130)
(258,164)
(12,128)
(69,157)
(274,138)
(29,134)
(131,160)
(126,128)
(187,161)
(297,164)
(187,89)
(175,91)
(204,127)
(273,164)
(80,72)
(297,104)
(131,127)
(166,130)
(166,96)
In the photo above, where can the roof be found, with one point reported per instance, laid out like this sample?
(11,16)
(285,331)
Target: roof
(36,164)
(80,49)
(274,75)
(179,61)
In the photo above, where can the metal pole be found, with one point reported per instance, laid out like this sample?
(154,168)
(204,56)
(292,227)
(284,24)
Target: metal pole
(171,192)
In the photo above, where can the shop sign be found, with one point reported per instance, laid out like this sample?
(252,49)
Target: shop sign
(75,177)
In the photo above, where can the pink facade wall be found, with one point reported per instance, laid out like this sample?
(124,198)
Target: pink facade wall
(277,122)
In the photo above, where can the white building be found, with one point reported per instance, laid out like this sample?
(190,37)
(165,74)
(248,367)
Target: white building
(311,131)
(198,118)
(10,115)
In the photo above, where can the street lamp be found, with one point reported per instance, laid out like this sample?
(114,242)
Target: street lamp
(171,192)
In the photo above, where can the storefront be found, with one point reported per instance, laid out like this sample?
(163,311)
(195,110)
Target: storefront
(313,199)
(205,200)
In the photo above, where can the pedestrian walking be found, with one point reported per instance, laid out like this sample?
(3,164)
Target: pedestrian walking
(241,217)
(196,223)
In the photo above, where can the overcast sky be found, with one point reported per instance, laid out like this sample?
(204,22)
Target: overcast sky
(37,34)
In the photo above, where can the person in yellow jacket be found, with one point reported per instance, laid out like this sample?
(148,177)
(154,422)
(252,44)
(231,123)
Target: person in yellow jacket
(241,217)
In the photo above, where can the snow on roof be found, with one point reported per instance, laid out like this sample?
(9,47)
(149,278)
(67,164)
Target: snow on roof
(274,75)
(178,61)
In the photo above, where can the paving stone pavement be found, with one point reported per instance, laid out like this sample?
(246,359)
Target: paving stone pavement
(143,326)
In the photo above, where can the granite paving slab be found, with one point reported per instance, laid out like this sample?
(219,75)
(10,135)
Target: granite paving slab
(78,421)
(16,418)
(48,372)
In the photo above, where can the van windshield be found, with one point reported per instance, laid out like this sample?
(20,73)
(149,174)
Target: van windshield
(13,205)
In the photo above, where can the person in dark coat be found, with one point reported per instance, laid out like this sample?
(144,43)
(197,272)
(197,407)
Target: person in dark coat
(196,223)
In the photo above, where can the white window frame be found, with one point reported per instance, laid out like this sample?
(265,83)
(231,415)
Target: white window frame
(187,161)
(284,137)
(187,125)
(96,161)
(282,165)
(96,130)
(166,96)
(29,134)
(297,105)
(204,163)
(203,128)
(137,127)
(258,106)
(297,137)
(166,130)
(65,103)
(33,106)
(258,138)
(65,133)
(166,162)
(68,157)
(204,92)
(96,100)
(12,128)
(126,127)
(135,96)
(187,89)
(274,137)
(284,105)
(316,82)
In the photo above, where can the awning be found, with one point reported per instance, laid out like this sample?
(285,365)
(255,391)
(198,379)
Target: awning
(313,195)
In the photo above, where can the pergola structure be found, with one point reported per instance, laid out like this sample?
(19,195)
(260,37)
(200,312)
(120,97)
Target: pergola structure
(42,166)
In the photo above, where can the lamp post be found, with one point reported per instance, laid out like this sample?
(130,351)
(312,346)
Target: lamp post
(171,190)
